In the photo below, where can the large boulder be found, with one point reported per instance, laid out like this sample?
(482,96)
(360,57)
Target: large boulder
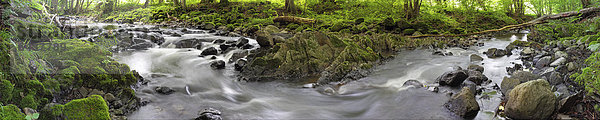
(463,103)
(453,78)
(531,100)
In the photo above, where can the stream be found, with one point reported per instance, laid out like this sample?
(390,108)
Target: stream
(380,95)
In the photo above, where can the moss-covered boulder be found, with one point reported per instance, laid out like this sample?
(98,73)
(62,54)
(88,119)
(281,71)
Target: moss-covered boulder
(93,107)
(11,112)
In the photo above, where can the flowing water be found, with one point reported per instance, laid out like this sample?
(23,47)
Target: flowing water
(380,95)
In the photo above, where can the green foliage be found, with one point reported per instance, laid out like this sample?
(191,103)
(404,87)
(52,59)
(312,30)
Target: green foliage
(33,116)
(11,112)
(91,108)
(589,76)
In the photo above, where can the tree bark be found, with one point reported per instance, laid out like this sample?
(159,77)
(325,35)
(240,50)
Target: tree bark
(290,6)
(543,19)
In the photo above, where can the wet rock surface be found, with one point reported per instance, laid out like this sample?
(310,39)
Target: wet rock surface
(531,100)
(453,78)
(463,103)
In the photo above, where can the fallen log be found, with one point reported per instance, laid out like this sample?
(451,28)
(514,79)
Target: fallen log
(539,20)
(293,19)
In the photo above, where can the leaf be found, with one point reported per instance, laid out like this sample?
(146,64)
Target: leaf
(36,115)
(28,117)
(594,47)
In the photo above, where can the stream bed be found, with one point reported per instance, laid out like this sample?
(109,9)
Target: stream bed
(380,95)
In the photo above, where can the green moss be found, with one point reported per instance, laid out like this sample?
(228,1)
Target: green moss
(408,31)
(91,108)
(29,101)
(11,112)
(6,91)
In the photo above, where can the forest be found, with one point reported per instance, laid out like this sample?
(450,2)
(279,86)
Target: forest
(299,59)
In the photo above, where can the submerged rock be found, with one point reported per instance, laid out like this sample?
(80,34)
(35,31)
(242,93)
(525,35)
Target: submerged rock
(452,78)
(531,100)
(463,103)
(164,90)
(219,64)
(209,114)
(414,83)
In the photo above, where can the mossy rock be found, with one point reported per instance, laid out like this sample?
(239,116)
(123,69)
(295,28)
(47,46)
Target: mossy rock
(11,112)
(6,91)
(91,108)
(29,101)
(338,26)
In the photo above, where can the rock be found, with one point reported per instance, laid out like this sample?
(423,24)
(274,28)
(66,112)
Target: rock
(219,41)
(29,111)
(109,97)
(247,46)
(241,42)
(524,76)
(495,52)
(568,103)
(475,58)
(463,103)
(271,29)
(452,78)
(142,46)
(155,38)
(433,89)
(527,51)
(571,66)
(219,64)
(516,67)
(476,77)
(531,100)
(209,114)
(207,26)
(561,54)
(475,68)
(544,71)
(237,55)
(414,83)
(239,64)
(543,62)
(508,84)
(141,29)
(209,51)
(559,61)
(555,78)
(164,90)
(188,43)
(264,39)
(224,47)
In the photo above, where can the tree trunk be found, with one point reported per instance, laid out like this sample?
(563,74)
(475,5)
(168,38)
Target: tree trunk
(583,12)
(290,6)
